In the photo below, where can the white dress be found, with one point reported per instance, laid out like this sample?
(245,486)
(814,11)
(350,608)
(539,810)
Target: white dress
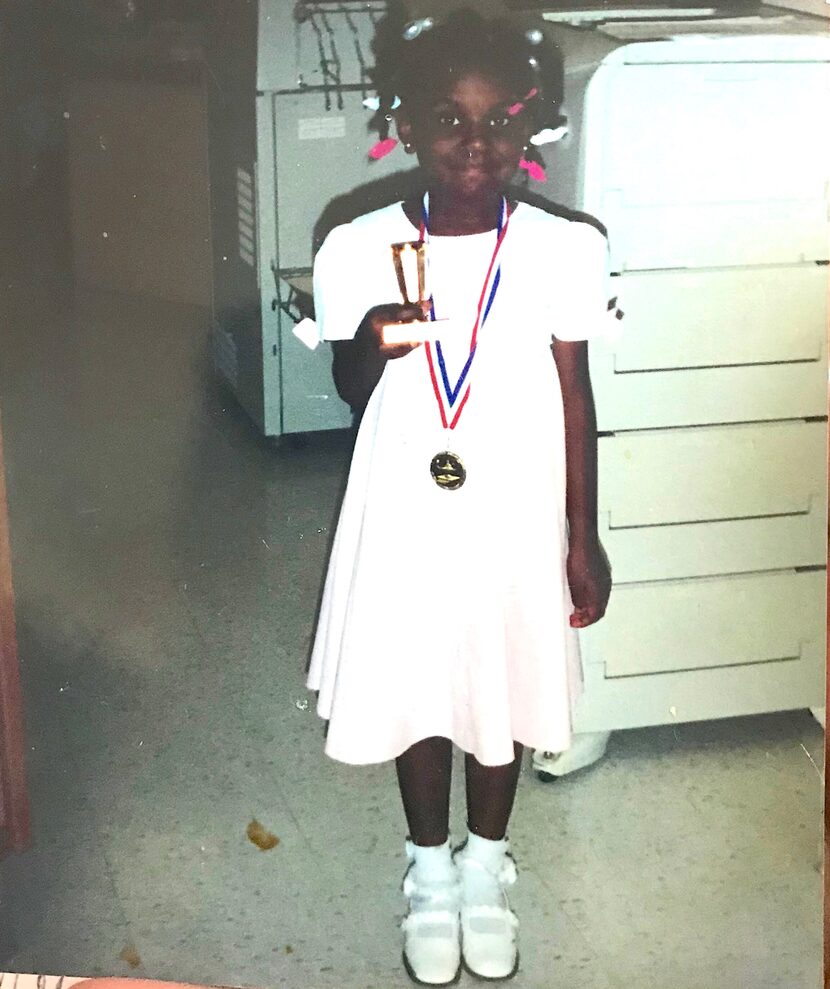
(446,612)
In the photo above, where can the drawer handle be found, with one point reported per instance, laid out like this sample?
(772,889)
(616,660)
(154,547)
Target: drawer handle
(734,518)
(713,367)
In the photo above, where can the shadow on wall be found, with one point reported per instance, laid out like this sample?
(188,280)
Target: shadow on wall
(363,199)
(393,188)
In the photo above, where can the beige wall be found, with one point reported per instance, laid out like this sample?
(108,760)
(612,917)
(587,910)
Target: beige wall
(138,183)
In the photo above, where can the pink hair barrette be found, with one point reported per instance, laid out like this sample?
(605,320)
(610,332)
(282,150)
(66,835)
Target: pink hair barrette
(520,105)
(382,148)
(533,169)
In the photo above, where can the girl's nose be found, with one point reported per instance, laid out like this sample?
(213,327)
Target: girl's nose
(477,136)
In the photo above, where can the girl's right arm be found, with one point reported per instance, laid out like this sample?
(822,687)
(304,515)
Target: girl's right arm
(359,363)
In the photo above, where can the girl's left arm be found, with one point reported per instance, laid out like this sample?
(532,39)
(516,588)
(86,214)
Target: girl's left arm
(589,574)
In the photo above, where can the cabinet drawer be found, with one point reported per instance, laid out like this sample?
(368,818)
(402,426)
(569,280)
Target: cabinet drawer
(611,703)
(703,549)
(710,622)
(693,319)
(696,397)
(715,346)
(755,470)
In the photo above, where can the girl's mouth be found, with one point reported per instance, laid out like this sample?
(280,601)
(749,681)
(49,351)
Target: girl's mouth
(474,166)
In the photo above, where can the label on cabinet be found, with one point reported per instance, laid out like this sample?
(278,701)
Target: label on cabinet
(321,128)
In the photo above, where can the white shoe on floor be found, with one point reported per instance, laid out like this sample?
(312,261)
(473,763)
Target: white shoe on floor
(432,938)
(489,928)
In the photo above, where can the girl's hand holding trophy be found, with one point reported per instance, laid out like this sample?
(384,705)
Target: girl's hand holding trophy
(398,328)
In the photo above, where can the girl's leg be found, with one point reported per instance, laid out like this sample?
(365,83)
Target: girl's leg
(486,868)
(490,794)
(432,942)
(424,774)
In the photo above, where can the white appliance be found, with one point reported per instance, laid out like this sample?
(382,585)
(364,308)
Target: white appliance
(704,148)
(288,143)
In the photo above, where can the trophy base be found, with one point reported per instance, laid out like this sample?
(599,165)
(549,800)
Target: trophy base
(417,331)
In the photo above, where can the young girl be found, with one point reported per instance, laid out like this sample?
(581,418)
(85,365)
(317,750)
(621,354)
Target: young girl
(466,555)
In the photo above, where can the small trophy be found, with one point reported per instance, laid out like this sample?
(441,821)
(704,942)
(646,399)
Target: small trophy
(409,258)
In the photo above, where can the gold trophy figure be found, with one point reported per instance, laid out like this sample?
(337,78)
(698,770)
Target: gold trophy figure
(409,258)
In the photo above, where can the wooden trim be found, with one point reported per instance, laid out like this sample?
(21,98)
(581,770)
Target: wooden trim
(14,803)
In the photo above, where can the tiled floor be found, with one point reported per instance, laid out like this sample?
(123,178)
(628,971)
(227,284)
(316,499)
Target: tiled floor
(168,563)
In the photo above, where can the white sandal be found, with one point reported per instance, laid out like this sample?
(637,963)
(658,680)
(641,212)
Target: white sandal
(432,937)
(489,928)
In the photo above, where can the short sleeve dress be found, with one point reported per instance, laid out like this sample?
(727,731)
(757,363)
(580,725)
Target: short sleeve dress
(446,612)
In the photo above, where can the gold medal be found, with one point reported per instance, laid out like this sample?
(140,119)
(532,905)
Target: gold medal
(447,471)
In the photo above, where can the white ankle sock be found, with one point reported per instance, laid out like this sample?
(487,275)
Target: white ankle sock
(486,851)
(480,886)
(433,861)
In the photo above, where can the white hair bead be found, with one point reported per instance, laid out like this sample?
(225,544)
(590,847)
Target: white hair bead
(548,135)
(414,28)
(373,103)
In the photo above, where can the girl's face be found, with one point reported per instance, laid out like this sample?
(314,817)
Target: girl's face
(467,142)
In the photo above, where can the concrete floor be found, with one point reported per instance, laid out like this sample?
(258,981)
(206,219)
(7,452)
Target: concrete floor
(167,567)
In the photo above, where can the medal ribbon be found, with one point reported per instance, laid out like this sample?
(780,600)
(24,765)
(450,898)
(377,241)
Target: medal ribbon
(482,312)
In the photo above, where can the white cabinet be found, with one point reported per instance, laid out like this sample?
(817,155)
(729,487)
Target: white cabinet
(708,161)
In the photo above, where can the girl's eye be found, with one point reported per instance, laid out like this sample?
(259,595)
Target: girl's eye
(448,120)
(501,121)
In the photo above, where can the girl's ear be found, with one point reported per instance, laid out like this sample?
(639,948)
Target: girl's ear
(403,125)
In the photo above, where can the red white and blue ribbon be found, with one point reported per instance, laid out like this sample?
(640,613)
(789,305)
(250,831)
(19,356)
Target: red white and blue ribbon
(450,399)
